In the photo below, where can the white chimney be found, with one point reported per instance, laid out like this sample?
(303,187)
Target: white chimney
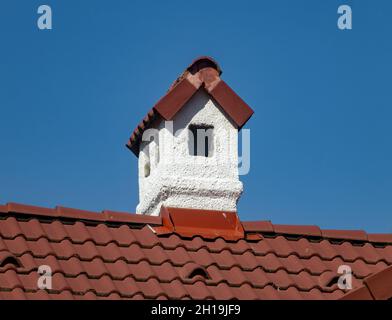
(188,144)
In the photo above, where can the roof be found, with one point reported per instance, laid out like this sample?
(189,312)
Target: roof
(203,73)
(111,255)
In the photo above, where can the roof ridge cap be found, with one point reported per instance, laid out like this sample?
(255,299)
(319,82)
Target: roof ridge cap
(350,235)
(60,212)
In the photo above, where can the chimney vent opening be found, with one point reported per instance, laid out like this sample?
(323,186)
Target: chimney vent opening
(201,140)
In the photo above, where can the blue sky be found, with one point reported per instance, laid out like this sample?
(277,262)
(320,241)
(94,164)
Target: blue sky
(321,132)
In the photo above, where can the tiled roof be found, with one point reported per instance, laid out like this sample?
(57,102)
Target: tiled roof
(112,255)
(204,73)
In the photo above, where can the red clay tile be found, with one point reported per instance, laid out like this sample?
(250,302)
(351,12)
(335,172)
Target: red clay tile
(43,295)
(151,288)
(179,256)
(386,253)
(216,245)
(10,228)
(291,293)
(15,294)
(123,236)
(234,276)
(100,234)
(32,229)
(157,255)
(77,232)
(244,292)
(41,247)
(380,284)
(110,252)
(65,249)
(133,253)
(303,248)
(49,260)
(142,271)
(165,272)
(198,290)
(10,279)
(357,235)
(281,246)
(17,246)
(80,284)
(79,214)
(103,285)
(360,268)
(369,253)
(173,241)
(325,250)
(30,210)
(240,247)
(223,259)
(88,251)
(298,230)
(257,277)
(113,216)
(96,268)
(3,209)
(222,292)
(117,270)
(54,231)
(174,289)
(146,237)
(358,294)
(381,238)
(247,261)
(87,296)
(215,274)
(257,226)
(269,262)
(127,287)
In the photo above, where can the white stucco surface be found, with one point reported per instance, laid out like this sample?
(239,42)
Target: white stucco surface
(176,178)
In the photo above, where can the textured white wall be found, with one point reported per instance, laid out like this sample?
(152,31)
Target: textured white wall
(178,179)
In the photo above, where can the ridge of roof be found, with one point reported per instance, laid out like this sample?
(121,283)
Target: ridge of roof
(106,216)
(251,229)
(203,73)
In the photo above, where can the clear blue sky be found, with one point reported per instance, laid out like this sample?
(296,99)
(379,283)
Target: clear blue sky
(321,132)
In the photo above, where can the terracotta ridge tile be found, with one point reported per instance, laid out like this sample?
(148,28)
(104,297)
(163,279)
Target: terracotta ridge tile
(380,237)
(257,226)
(297,230)
(306,231)
(356,235)
(106,216)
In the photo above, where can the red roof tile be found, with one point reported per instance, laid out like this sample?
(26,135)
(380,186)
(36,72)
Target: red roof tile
(124,256)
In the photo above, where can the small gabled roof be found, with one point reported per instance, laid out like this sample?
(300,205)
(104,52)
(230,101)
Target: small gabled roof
(211,255)
(205,73)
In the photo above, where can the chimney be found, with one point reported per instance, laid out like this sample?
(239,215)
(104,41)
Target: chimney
(187,144)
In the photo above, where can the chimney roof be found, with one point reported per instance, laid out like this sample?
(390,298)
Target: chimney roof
(203,72)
